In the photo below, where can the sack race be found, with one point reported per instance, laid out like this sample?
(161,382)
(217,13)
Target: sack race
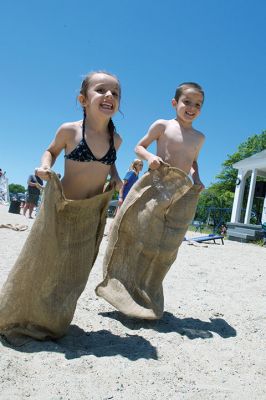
(40,295)
(144,241)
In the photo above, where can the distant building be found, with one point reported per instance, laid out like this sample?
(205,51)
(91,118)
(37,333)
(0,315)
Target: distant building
(253,166)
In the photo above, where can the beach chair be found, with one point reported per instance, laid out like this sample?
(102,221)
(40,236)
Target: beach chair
(207,238)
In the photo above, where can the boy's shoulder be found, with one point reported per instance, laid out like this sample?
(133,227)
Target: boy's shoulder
(161,122)
(159,125)
(200,134)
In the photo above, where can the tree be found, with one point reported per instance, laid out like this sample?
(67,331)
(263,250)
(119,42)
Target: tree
(227,177)
(16,188)
(221,193)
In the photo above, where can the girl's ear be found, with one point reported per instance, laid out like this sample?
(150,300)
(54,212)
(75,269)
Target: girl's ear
(82,100)
(174,102)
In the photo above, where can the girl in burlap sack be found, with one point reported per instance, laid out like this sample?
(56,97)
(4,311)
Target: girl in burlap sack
(40,295)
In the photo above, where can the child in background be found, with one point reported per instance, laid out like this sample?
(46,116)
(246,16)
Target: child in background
(40,295)
(130,178)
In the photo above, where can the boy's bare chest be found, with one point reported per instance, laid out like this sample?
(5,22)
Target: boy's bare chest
(179,139)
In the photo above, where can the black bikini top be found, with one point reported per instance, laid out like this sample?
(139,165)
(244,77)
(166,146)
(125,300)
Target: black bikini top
(83,153)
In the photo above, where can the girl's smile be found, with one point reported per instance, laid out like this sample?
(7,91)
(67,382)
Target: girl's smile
(104,93)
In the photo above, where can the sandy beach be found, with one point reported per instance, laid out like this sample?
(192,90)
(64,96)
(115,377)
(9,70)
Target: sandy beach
(210,343)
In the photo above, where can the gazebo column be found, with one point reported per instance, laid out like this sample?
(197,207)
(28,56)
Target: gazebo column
(250,196)
(239,193)
(263,218)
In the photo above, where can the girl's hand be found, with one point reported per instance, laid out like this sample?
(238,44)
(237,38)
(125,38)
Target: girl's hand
(154,162)
(43,173)
(117,183)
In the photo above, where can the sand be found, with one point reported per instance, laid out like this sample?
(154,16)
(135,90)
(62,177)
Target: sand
(210,343)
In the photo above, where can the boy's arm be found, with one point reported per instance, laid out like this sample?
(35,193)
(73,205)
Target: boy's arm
(154,132)
(50,155)
(194,171)
(195,174)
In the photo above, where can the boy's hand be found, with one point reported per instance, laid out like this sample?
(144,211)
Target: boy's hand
(154,162)
(43,173)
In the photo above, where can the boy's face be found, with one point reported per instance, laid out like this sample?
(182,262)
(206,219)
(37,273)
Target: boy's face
(189,105)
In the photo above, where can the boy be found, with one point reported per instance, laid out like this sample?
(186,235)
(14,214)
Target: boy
(155,215)
(178,143)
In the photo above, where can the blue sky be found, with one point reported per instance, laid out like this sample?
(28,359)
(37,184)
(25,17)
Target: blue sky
(152,46)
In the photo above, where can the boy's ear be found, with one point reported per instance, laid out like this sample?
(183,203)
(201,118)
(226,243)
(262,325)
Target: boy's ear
(82,100)
(174,102)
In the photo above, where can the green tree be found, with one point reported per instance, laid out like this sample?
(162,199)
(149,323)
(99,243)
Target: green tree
(16,188)
(221,193)
(227,177)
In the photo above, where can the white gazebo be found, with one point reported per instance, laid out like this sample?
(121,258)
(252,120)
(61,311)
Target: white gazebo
(253,166)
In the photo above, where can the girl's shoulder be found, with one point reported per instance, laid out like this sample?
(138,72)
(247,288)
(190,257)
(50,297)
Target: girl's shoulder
(70,126)
(117,140)
(69,129)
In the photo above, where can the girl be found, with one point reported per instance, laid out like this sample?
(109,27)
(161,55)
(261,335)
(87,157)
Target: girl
(90,145)
(40,295)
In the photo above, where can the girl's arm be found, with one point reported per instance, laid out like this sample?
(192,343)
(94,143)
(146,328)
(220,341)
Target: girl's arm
(50,155)
(115,178)
(121,192)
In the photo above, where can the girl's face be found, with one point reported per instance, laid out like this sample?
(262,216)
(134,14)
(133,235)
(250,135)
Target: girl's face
(103,95)
(189,105)
(139,166)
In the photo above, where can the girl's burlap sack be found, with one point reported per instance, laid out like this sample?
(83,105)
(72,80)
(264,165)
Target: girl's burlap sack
(40,295)
(144,241)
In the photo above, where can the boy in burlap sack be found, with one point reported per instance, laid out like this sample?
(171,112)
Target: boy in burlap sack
(154,217)
(39,297)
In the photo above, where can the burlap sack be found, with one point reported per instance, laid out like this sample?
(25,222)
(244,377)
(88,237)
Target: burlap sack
(144,241)
(40,295)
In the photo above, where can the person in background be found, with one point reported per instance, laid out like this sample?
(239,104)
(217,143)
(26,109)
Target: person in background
(35,185)
(130,178)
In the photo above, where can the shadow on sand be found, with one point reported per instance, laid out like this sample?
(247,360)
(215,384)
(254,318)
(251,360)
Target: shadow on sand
(190,327)
(77,343)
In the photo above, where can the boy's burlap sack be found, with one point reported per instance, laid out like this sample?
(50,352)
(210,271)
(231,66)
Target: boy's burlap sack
(144,241)
(40,295)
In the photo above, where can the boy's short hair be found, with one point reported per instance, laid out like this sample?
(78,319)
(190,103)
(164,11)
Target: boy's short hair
(180,89)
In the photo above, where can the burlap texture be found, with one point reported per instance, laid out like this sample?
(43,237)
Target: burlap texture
(40,295)
(144,241)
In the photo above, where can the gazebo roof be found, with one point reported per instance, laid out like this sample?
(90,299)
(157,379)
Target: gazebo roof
(257,161)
